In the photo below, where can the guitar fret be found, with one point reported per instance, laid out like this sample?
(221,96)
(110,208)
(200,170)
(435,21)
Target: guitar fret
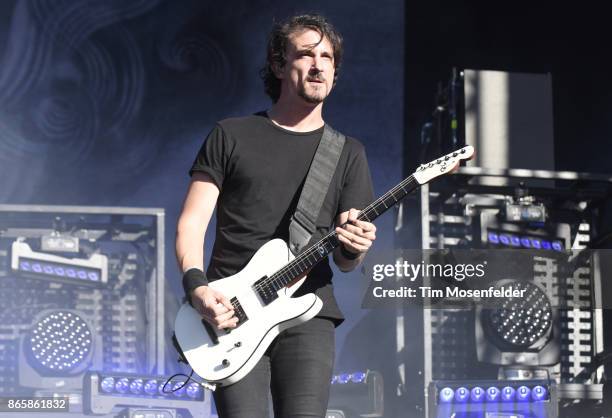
(278,283)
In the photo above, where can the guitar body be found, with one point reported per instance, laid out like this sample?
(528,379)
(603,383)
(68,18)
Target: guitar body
(225,357)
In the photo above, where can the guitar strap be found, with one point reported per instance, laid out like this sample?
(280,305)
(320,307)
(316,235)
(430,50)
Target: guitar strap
(322,168)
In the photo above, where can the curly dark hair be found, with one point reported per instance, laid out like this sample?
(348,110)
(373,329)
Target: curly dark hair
(279,39)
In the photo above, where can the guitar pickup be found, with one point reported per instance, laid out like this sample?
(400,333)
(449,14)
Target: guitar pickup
(265,290)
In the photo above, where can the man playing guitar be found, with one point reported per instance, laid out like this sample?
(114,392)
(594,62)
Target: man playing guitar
(252,170)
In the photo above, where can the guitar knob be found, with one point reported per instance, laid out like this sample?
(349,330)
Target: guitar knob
(225,362)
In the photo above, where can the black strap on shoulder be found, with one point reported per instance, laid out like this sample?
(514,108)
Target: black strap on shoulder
(322,168)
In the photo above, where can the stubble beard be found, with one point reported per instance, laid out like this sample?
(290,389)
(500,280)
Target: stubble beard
(314,96)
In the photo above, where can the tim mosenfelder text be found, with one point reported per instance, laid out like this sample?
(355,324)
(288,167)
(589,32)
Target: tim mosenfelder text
(404,270)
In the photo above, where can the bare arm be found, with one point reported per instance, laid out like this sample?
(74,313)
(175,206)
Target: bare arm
(193,222)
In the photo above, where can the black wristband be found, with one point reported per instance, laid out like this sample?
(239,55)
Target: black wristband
(348,254)
(193,278)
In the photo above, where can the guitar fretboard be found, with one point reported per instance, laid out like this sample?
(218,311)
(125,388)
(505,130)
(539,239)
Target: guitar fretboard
(268,286)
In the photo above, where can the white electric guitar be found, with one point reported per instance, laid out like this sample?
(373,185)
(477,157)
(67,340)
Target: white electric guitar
(261,292)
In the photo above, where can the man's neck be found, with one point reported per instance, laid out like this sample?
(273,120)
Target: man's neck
(296,116)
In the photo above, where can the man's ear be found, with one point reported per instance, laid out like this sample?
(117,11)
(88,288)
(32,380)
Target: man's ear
(277,69)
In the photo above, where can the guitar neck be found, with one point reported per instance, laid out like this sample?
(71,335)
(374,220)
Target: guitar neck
(267,286)
(318,251)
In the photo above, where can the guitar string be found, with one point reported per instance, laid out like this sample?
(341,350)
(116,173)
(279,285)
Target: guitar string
(315,248)
(296,263)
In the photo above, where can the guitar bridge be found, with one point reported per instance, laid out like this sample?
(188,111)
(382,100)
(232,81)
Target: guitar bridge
(239,312)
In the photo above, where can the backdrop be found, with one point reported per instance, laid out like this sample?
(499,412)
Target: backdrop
(106,102)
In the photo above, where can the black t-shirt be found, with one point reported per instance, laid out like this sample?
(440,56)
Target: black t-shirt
(260,169)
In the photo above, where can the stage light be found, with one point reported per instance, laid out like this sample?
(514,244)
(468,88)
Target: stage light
(493,238)
(523,393)
(539,393)
(133,385)
(357,393)
(344,378)
(358,377)
(136,386)
(150,387)
(178,389)
(193,390)
(30,263)
(104,391)
(107,385)
(60,343)
(112,283)
(477,394)
(122,385)
(508,394)
(493,394)
(521,322)
(508,239)
(462,394)
(446,395)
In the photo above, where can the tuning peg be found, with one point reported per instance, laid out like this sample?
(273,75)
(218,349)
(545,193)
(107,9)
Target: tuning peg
(462,150)
(455,154)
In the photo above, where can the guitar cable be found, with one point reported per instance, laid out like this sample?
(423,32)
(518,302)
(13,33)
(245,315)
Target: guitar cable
(189,377)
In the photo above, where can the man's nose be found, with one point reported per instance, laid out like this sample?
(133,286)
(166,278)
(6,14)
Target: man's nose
(317,64)
(315,68)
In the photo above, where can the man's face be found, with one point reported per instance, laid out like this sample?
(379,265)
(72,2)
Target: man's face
(309,70)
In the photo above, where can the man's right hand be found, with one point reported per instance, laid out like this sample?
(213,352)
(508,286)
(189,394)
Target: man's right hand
(215,308)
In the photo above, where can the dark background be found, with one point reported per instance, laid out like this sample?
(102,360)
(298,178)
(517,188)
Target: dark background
(570,42)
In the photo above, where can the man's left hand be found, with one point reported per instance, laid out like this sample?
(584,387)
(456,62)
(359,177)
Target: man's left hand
(356,236)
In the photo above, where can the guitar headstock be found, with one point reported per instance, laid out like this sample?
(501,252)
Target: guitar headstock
(443,165)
